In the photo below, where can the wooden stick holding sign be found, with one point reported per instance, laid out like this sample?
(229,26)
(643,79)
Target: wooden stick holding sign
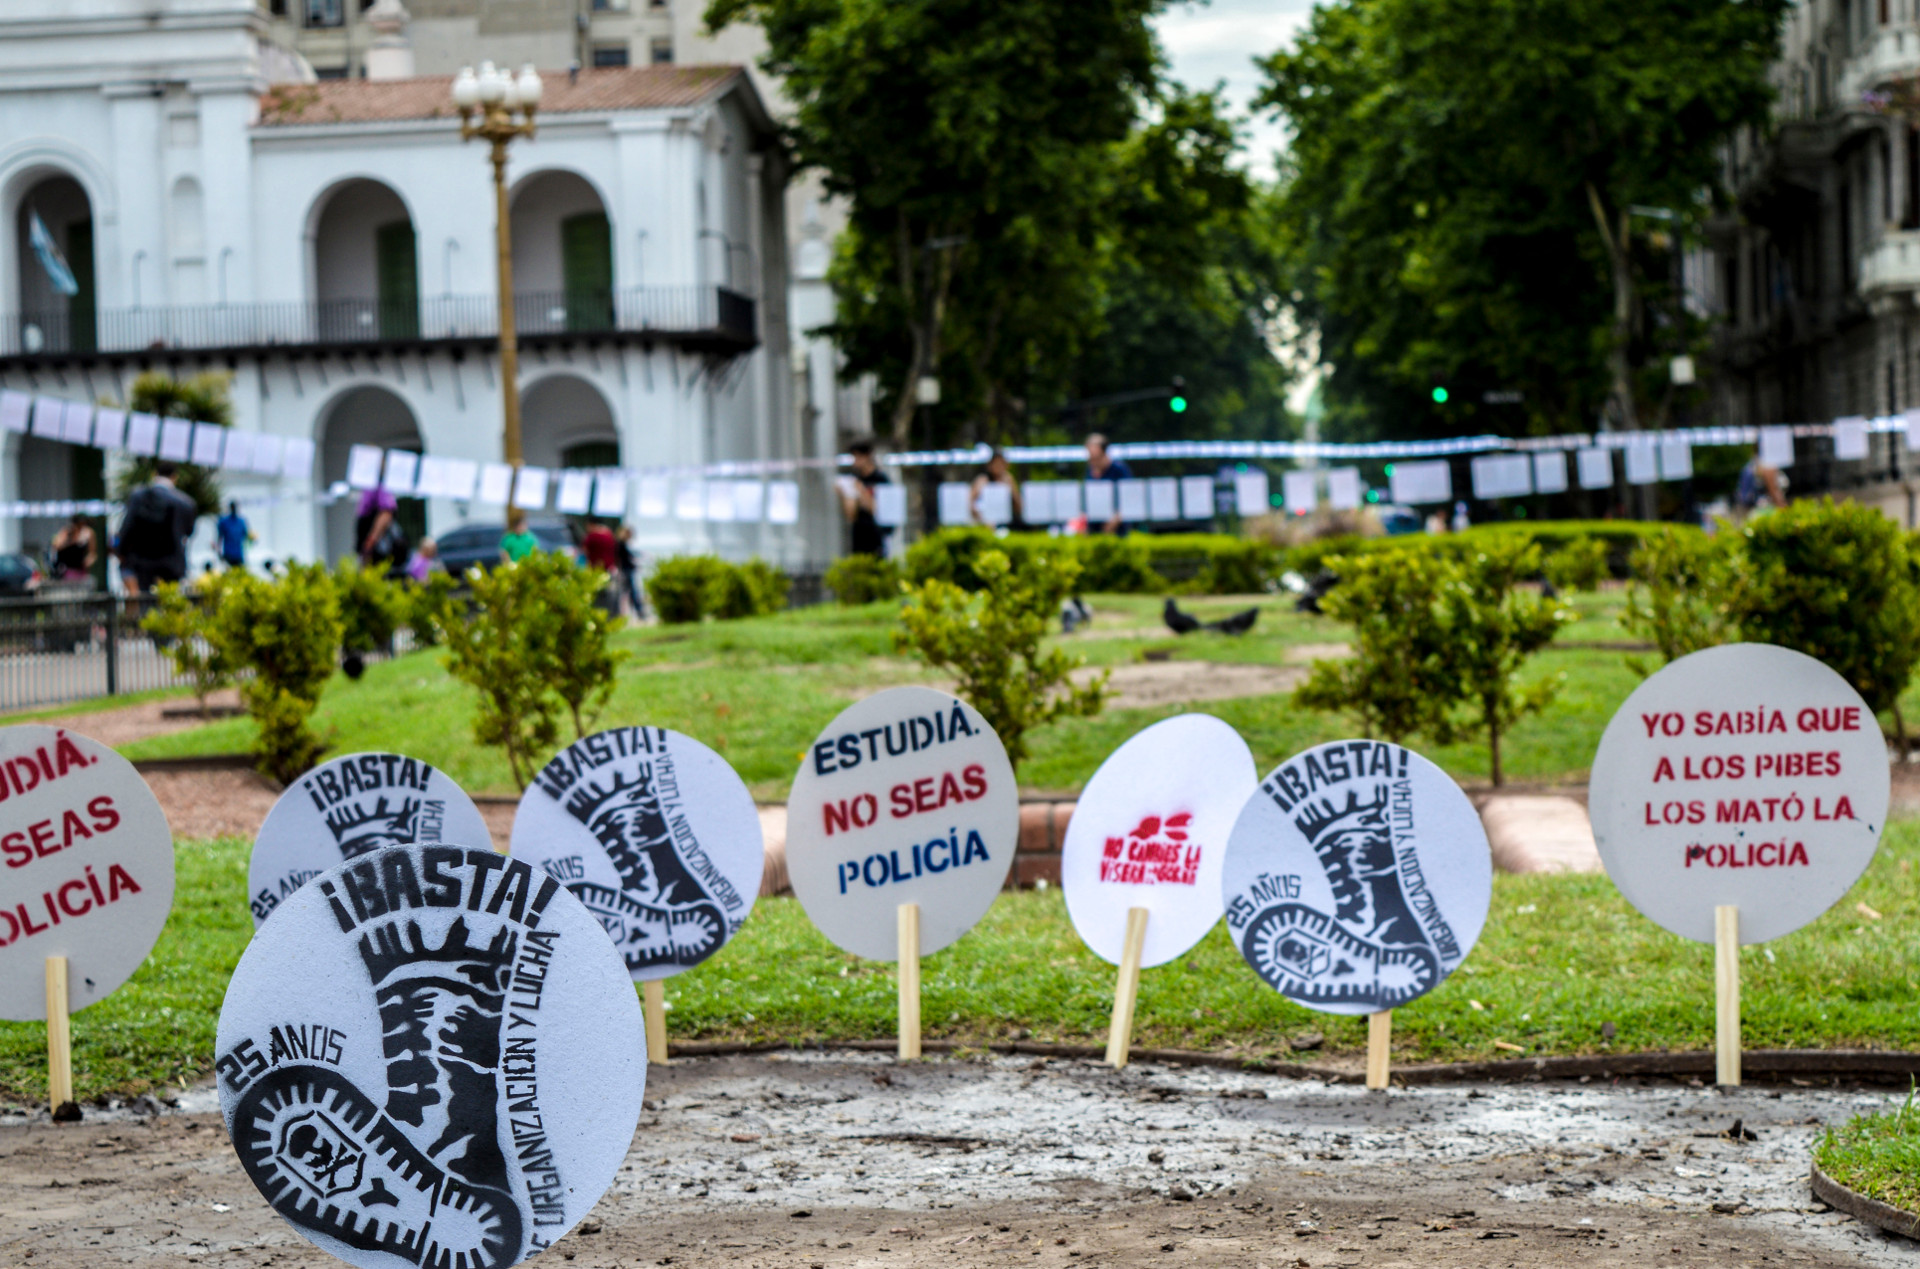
(1726,991)
(59,1036)
(1126,989)
(909,981)
(1379,1047)
(653,1005)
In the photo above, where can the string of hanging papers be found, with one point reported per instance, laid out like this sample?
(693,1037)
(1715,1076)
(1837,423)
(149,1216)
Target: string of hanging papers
(747,492)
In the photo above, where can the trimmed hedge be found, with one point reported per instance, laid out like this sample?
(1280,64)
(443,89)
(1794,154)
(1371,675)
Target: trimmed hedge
(685,588)
(1211,563)
(1621,538)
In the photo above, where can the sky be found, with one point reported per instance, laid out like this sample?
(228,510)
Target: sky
(1208,43)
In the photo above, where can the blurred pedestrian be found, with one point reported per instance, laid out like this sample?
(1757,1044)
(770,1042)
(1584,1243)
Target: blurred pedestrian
(629,570)
(381,541)
(602,552)
(866,535)
(1102,465)
(995,475)
(420,567)
(75,548)
(517,544)
(233,533)
(154,531)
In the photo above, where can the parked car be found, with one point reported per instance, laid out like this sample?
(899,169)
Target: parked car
(479,542)
(19,576)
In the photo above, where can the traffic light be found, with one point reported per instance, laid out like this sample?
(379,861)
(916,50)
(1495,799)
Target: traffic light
(1178,405)
(1178,401)
(1439,396)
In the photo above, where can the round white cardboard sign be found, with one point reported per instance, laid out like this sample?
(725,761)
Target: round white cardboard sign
(344,808)
(1747,774)
(656,834)
(86,868)
(906,797)
(431,1055)
(1358,877)
(1150,831)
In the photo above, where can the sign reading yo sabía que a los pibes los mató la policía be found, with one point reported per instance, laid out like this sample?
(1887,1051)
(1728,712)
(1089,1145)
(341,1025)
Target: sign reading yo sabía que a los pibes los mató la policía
(1358,877)
(348,806)
(906,797)
(1150,831)
(431,1055)
(86,868)
(656,834)
(1746,775)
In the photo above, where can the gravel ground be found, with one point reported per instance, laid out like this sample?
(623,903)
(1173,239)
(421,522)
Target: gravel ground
(851,1160)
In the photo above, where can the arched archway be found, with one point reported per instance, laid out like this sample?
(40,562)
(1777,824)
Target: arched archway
(565,422)
(366,415)
(562,254)
(365,261)
(53,227)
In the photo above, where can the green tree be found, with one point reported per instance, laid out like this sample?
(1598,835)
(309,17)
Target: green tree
(1399,680)
(204,398)
(372,608)
(495,647)
(1492,627)
(287,632)
(991,641)
(1678,597)
(573,635)
(1457,201)
(183,626)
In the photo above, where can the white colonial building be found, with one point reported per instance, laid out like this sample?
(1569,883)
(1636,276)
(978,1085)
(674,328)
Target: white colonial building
(330,244)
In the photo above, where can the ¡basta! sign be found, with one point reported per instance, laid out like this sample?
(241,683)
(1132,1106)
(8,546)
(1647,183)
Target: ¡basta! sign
(906,797)
(1707,792)
(86,868)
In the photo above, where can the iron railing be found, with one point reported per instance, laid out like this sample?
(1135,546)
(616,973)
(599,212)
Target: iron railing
(84,645)
(669,312)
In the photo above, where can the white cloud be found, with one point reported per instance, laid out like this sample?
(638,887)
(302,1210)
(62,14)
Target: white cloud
(1209,43)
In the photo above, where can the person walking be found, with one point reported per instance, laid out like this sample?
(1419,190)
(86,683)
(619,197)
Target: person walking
(1102,465)
(866,535)
(994,475)
(233,533)
(601,551)
(420,567)
(380,539)
(75,548)
(629,567)
(154,531)
(517,544)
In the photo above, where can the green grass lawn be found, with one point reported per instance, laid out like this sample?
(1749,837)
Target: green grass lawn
(1561,956)
(1877,1155)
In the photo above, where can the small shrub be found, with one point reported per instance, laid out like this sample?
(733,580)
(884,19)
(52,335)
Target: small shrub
(287,631)
(1117,566)
(496,649)
(183,627)
(862,579)
(1579,565)
(571,634)
(681,587)
(991,642)
(1239,566)
(1492,627)
(1677,599)
(428,605)
(1399,681)
(372,609)
(753,589)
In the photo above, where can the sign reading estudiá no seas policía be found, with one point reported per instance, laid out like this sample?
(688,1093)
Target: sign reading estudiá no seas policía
(346,807)
(656,834)
(431,1055)
(1150,831)
(1747,775)
(1358,877)
(86,868)
(906,797)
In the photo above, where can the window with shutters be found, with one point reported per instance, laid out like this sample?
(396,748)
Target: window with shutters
(586,262)
(398,278)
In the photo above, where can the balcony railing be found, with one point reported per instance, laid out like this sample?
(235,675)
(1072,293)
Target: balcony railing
(708,315)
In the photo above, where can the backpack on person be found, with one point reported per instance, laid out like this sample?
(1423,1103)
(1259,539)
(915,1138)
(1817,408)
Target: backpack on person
(149,531)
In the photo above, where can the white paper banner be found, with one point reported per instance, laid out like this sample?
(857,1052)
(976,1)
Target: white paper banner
(209,440)
(363,466)
(47,413)
(176,440)
(143,434)
(1133,500)
(76,423)
(403,473)
(269,453)
(1502,476)
(1550,472)
(1417,483)
(1196,497)
(576,492)
(890,505)
(237,455)
(530,491)
(110,429)
(1163,498)
(1101,500)
(1252,494)
(1910,420)
(431,480)
(1596,469)
(783,502)
(956,499)
(1343,488)
(720,500)
(1776,446)
(459,478)
(1643,466)
(609,494)
(298,459)
(1676,460)
(655,497)
(749,496)
(1036,502)
(690,500)
(496,483)
(1850,439)
(995,504)
(15,410)
(1299,491)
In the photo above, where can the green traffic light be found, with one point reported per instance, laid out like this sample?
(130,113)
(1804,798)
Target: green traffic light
(1178,405)
(1439,396)
(1373,495)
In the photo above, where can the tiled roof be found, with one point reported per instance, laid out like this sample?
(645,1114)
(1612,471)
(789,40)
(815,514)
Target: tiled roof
(381,101)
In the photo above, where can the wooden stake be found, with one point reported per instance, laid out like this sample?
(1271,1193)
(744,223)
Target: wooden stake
(909,981)
(1726,990)
(653,1004)
(59,1036)
(1126,989)
(1379,1040)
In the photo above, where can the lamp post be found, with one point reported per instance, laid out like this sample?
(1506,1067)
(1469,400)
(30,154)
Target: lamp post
(495,95)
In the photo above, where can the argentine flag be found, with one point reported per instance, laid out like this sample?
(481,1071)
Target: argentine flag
(50,258)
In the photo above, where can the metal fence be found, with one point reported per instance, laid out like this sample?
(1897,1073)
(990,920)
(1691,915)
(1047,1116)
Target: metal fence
(76,647)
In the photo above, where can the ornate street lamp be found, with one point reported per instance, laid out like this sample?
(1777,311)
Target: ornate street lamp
(495,96)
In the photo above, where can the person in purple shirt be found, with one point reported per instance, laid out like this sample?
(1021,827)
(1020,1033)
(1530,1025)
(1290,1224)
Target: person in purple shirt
(376,533)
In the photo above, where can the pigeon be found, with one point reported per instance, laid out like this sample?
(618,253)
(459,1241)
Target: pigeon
(1074,614)
(1179,622)
(1238,624)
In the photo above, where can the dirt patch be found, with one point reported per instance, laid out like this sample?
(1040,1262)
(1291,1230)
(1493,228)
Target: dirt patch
(1171,682)
(1532,833)
(213,803)
(129,723)
(806,1160)
(1307,653)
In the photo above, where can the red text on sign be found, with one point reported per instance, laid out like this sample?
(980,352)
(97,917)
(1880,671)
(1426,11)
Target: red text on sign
(51,836)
